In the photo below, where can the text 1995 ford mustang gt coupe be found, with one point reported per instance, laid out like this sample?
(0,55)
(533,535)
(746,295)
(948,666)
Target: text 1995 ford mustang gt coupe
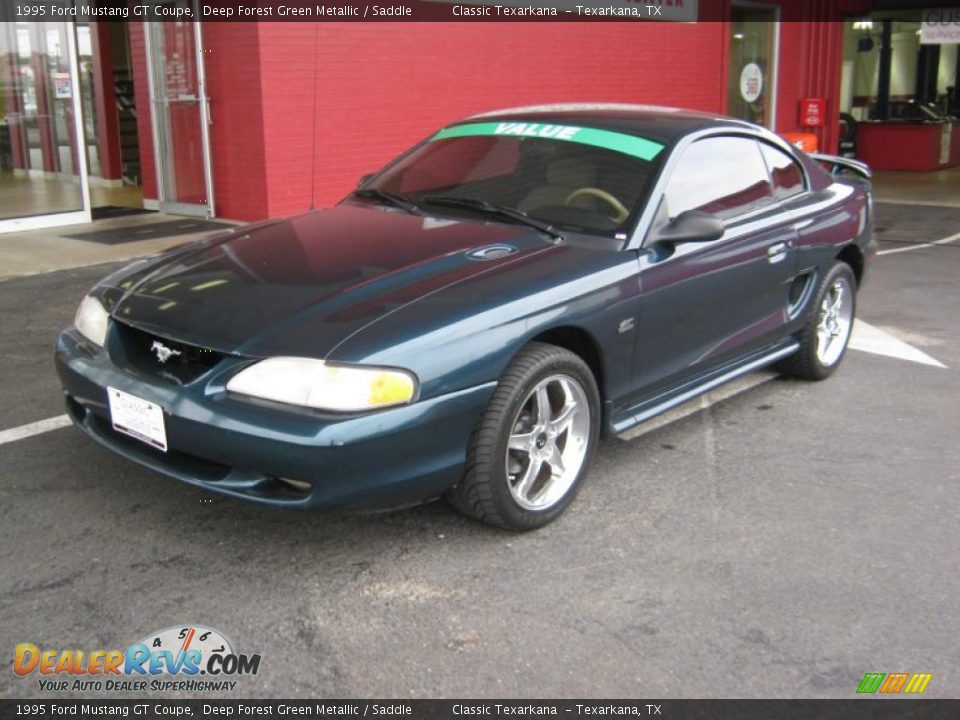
(476,315)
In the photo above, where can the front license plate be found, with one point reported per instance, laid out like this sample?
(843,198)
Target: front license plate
(138,418)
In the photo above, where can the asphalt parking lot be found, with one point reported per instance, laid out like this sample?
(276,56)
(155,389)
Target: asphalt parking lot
(780,543)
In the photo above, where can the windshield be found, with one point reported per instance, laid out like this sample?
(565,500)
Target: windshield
(573,178)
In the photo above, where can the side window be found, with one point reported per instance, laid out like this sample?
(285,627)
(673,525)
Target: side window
(785,174)
(725,176)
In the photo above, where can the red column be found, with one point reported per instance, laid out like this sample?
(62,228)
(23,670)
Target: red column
(105,102)
(45,110)
(141,91)
(75,144)
(14,108)
(723,66)
(819,80)
(822,50)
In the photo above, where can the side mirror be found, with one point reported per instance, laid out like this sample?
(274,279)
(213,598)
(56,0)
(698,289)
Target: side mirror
(364,179)
(691,226)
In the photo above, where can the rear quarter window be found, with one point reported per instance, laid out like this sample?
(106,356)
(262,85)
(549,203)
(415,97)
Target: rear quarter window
(786,177)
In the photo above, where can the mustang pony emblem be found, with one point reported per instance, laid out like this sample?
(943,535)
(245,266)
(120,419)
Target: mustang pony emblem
(163,352)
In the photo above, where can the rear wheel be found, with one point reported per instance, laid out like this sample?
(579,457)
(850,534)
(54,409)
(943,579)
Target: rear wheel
(533,445)
(824,337)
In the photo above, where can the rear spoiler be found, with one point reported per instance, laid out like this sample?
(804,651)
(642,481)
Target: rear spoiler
(837,165)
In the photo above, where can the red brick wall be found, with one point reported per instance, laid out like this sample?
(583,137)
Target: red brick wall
(232,62)
(382,87)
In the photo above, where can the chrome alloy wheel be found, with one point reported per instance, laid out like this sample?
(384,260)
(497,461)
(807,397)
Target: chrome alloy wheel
(835,321)
(548,442)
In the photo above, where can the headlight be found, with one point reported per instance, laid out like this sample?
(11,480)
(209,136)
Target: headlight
(313,383)
(91,320)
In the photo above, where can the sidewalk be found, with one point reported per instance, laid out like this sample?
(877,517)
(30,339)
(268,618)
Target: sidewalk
(918,188)
(41,251)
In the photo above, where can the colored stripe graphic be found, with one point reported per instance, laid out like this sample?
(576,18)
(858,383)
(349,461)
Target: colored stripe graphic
(893,683)
(918,683)
(619,142)
(871,682)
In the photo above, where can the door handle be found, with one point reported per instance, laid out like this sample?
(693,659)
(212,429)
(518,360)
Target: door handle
(776,252)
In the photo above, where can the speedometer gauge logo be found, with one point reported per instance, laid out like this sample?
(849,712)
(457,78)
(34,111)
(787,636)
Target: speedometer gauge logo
(201,642)
(189,650)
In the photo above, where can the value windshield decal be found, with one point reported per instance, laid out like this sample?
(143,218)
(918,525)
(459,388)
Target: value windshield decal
(618,142)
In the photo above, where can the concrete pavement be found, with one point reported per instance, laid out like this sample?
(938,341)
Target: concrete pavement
(779,543)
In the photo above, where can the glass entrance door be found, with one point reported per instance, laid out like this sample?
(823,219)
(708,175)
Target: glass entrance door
(181,115)
(751,87)
(43,174)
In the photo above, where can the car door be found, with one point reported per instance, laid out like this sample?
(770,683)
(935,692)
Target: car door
(705,304)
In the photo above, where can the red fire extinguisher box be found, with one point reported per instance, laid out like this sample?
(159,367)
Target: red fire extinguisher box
(803,140)
(812,112)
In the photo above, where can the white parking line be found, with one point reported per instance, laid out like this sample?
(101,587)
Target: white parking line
(941,241)
(34,428)
(872,339)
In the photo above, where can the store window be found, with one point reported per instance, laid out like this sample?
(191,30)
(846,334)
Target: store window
(41,172)
(751,86)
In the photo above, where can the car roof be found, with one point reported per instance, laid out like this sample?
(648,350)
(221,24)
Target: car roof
(663,124)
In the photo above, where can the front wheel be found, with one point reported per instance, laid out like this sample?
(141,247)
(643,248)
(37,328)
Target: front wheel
(533,445)
(826,332)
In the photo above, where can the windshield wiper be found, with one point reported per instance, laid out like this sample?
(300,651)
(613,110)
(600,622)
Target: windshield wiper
(488,207)
(392,198)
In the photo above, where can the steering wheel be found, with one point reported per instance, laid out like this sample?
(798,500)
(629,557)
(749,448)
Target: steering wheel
(621,211)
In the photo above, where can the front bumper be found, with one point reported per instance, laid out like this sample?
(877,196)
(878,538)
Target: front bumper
(391,458)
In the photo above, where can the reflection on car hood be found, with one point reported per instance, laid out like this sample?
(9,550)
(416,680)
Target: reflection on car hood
(300,286)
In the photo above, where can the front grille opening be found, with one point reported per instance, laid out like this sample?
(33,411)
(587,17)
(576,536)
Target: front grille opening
(76,411)
(180,462)
(175,362)
(192,468)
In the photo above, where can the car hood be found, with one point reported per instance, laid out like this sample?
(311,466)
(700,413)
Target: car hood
(300,286)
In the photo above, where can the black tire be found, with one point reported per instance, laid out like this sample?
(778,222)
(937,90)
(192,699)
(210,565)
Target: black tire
(806,363)
(484,491)
(848,128)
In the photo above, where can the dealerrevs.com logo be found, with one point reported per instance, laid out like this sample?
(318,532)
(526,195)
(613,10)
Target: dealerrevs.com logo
(189,658)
